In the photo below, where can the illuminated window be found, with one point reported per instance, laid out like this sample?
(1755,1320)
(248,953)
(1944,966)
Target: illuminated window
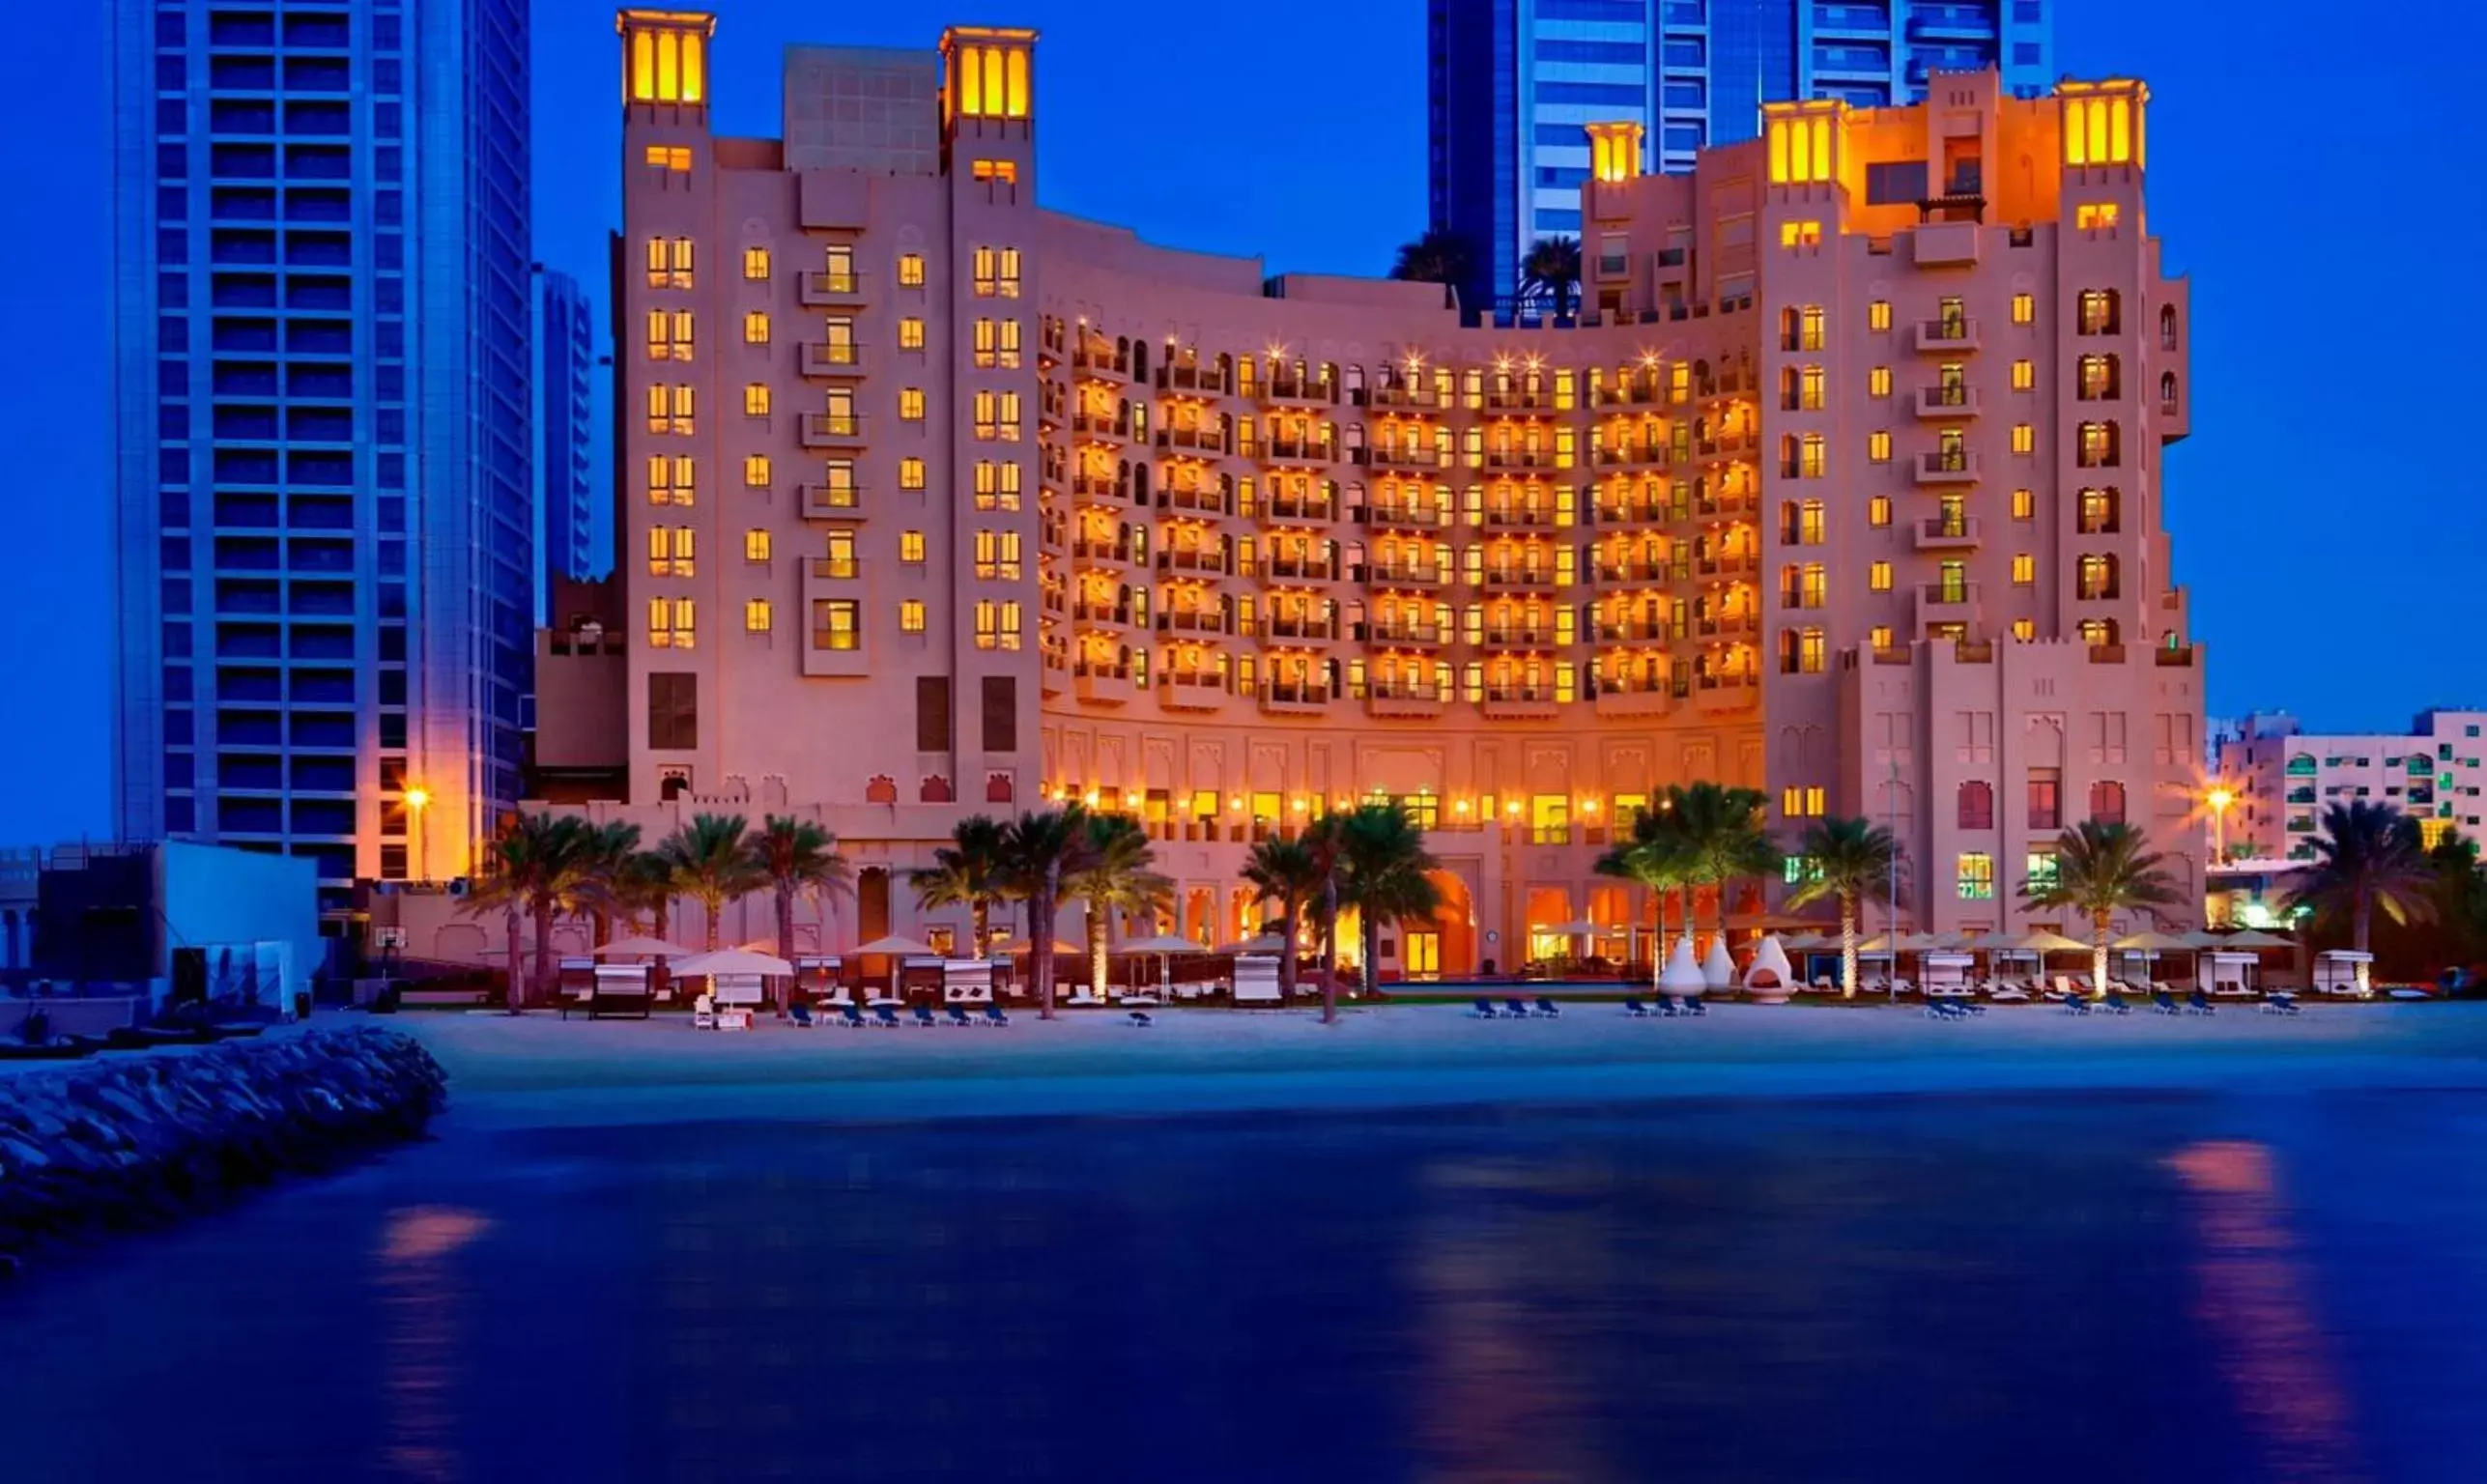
(670,550)
(2098,576)
(2100,130)
(998,485)
(756,263)
(2099,312)
(838,556)
(1800,149)
(756,545)
(911,547)
(997,342)
(675,158)
(997,556)
(1549,820)
(2025,570)
(988,623)
(1878,314)
(756,400)
(2098,446)
(2095,216)
(1809,335)
(1817,460)
(672,409)
(2024,505)
(669,262)
(668,334)
(910,615)
(910,333)
(1816,590)
(755,471)
(1802,651)
(2024,308)
(1878,382)
(756,615)
(1879,636)
(834,624)
(910,473)
(2024,437)
(2097,512)
(2025,375)
(2024,629)
(911,403)
(1803,802)
(1800,234)
(1809,393)
(1005,171)
(1879,577)
(672,624)
(1878,510)
(1878,448)
(1976,876)
(670,480)
(910,269)
(755,327)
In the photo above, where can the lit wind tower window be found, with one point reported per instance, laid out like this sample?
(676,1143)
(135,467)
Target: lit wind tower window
(665,58)
(988,73)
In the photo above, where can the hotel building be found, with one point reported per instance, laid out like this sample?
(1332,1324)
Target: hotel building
(323,502)
(2281,779)
(1511,82)
(934,502)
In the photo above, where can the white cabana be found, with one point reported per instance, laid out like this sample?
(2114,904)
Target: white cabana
(1945,972)
(1164,946)
(1769,979)
(2226,971)
(2344,971)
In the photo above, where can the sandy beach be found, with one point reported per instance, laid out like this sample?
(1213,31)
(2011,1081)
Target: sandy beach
(541,1070)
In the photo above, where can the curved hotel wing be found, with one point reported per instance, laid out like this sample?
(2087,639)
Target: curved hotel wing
(1844,486)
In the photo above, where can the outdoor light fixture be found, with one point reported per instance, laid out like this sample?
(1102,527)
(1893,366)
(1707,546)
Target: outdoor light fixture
(417,796)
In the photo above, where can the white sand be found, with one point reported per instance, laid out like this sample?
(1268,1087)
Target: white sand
(539,1069)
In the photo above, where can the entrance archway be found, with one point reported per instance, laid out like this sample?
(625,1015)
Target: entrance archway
(1446,946)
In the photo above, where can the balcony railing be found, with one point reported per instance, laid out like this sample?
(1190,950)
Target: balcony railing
(1952,467)
(1521,515)
(1406,573)
(1641,391)
(1206,438)
(1312,569)
(1403,632)
(1404,513)
(1935,403)
(1631,455)
(1288,387)
(1636,631)
(1114,425)
(1301,627)
(1100,361)
(824,287)
(1401,394)
(831,430)
(1517,576)
(1520,636)
(1937,532)
(1635,570)
(1400,454)
(1520,458)
(1948,333)
(1194,620)
(1173,558)
(1192,376)
(835,358)
(1519,399)
(1295,447)
(1288,507)
(1210,500)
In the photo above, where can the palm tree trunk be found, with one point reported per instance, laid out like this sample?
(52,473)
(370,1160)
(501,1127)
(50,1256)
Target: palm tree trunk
(601,926)
(517,982)
(980,920)
(785,937)
(1330,952)
(1287,954)
(716,907)
(1041,914)
(662,918)
(2361,923)
(1684,916)
(2098,953)
(1368,945)
(543,948)
(1097,929)
(1657,935)
(1847,947)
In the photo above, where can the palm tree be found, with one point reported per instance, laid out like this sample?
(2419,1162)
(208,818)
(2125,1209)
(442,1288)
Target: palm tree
(1656,857)
(1381,871)
(1723,838)
(796,855)
(645,885)
(2102,870)
(1850,862)
(610,847)
(1553,268)
(1114,876)
(1288,873)
(2369,855)
(711,863)
(1323,839)
(966,872)
(1041,852)
(1440,256)
(534,866)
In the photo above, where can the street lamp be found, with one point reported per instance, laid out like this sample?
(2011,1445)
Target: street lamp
(2219,798)
(416,798)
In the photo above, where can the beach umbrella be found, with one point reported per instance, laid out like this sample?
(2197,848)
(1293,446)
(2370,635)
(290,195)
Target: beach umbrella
(732,961)
(2041,942)
(897,945)
(642,948)
(2254,938)
(1682,975)
(1718,966)
(2151,945)
(1165,946)
(1808,943)
(1259,943)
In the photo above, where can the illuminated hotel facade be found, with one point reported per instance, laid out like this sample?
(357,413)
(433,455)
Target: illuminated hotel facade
(933,501)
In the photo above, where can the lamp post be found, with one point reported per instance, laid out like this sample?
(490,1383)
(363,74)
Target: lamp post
(416,798)
(2219,798)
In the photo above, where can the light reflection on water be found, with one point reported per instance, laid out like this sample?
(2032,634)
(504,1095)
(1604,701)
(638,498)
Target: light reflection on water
(2074,1289)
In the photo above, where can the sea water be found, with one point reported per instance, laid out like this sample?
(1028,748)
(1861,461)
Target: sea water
(2080,1288)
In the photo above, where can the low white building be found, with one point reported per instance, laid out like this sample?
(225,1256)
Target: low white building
(2282,779)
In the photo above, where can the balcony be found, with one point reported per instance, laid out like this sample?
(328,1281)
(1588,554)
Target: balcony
(1406,574)
(1725,627)
(1191,376)
(1404,633)
(1946,603)
(1727,446)
(1508,400)
(1288,507)
(1290,387)
(1191,690)
(1947,335)
(1633,512)
(1111,684)
(1193,620)
(1090,611)
(819,359)
(1098,362)
(1517,577)
(1300,628)
(1405,513)
(1727,564)
(831,430)
(1630,455)
(1294,448)
(1400,454)
(1634,631)
(1208,559)
(1522,514)
(1509,458)
(1302,569)
(830,288)
(830,501)
(1640,392)
(1520,636)
(1632,570)
(1717,695)
(1948,467)
(1633,701)
(1402,394)
(1419,700)
(1206,498)
(1521,702)
(1100,488)
(1294,697)
(1106,427)
(1202,438)
(1096,549)
(1941,403)
(1936,533)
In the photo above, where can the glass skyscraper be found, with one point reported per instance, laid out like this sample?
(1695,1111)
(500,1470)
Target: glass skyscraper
(324,486)
(1512,81)
(565,431)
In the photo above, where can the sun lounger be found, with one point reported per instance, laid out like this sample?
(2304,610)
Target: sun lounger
(1941,1009)
(1141,1017)
(1485,1011)
(1548,1008)
(2116,1004)
(2199,1003)
(2006,993)
(885,1015)
(2164,1004)
(2073,1005)
(1636,1008)
(993,1015)
(1683,1005)
(1516,1009)
(924,1015)
(801,1014)
(2279,1005)
(851,1017)
(958,1015)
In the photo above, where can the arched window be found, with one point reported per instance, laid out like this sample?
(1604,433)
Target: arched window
(2167,326)
(2167,391)
(2107,802)
(1977,805)
(2098,576)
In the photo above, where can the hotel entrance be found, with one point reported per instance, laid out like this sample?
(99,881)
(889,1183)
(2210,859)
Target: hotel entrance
(1420,955)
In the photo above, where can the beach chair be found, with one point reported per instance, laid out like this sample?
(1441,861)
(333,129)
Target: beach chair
(2064,989)
(1548,1008)
(1636,1009)
(2004,991)
(885,1015)
(2281,1003)
(2074,1005)
(2199,1003)
(993,1015)
(801,1014)
(924,1015)
(2115,1004)
(850,1017)
(1485,1011)
(1941,1009)
(704,1013)
(1516,1009)
(1140,1018)
(1685,1004)
(2162,1003)
(958,1015)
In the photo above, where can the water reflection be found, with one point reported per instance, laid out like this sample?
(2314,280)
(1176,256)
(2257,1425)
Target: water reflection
(423,1304)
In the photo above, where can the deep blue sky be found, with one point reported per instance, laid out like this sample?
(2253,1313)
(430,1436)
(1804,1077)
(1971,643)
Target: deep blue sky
(2317,181)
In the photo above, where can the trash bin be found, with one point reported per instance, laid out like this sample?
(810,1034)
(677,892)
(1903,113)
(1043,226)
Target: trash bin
(301,1004)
